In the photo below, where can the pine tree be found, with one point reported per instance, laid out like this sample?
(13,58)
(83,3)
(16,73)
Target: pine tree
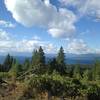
(16,68)
(1,68)
(52,64)
(38,58)
(7,62)
(41,55)
(61,61)
(34,58)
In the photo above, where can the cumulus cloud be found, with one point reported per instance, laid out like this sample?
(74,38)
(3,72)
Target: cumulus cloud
(10,44)
(78,46)
(59,23)
(6,24)
(50,48)
(3,35)
(85,7)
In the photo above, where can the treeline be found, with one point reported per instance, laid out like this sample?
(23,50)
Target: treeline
(55,77)
(54,64)
(38,60)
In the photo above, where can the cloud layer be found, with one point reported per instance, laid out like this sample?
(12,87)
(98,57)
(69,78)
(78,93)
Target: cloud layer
(10,44)
(78,46)
(84,7)
(58,23)
(6,24)
(42,13)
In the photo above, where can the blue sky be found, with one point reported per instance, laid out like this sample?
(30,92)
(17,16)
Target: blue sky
(27,24)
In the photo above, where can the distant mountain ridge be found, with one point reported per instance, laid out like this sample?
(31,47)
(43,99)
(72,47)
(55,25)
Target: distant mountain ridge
(69,58)
(80,58)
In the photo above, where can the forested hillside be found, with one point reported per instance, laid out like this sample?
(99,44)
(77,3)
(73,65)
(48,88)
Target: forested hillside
(54,80)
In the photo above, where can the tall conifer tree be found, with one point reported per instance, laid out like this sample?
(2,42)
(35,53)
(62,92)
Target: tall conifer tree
(61,61)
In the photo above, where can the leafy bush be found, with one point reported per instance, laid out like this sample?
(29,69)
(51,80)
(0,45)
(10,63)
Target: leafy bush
(55,84)
(4,75)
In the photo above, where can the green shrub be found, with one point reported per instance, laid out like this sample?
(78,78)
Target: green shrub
(4,75)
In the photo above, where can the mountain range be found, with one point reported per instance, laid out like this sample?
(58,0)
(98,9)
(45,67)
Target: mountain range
(69,58)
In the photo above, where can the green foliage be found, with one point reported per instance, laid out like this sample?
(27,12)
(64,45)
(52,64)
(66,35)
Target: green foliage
(61,57)
(87,75)
(4,75)
(2,69)
(77,72)
(61,61)
(41,56)
(56,77)
(7,63)
(92,91)
(35,58)
(26,65)
(96,70)
(38,61)
(70,71)
(55,84)
(38,58)
(15,70)
(93,88)
(52,65)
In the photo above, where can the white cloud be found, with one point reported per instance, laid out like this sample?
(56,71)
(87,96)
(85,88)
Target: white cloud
(50,48)
(63,24)
(9,44)
(85,7)
(36,37)
(71,2)
(97,51)
(78,46)
(43,14)
(6,24)
(3,35)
